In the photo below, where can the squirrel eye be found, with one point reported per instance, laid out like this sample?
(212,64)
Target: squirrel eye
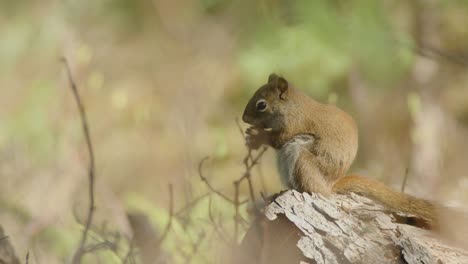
(261,105)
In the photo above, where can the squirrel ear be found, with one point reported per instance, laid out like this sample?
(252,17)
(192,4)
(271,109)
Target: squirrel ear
(272,78)
(283,86)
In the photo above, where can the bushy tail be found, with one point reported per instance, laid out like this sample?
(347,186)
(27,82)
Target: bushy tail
(391,199)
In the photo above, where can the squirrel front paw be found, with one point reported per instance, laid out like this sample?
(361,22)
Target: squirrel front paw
(255,137)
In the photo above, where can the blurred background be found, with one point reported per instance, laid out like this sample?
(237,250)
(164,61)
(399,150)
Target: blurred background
(163,83)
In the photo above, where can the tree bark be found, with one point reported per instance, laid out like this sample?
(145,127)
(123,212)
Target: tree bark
(310,228)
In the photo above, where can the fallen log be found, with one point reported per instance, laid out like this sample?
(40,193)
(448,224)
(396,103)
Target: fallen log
(310,228)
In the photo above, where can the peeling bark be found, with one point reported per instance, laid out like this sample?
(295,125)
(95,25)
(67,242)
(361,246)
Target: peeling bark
(343,229)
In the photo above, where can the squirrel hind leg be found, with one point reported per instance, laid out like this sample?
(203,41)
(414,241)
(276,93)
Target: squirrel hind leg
(309,178)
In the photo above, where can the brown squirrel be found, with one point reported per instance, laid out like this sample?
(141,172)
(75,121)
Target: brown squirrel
(316,144)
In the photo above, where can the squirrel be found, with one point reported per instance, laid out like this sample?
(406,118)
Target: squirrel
(316,144)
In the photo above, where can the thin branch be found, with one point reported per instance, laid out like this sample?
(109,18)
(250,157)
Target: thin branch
(27,257)
(98,246)
(433,53)
(129,256)
(196,246)
(205,180)
(262,178)
(403,185)
(249,163)
(248,167)
(257,158)
(191,204)
(217,229)
(247,174)
(3,238)
(171,216)
(236,216)
(91,175)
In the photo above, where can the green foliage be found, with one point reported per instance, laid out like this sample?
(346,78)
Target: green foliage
(136,66)
(221,150)
(211,6)
(323,43)
(414,104)
(294,52)
(102,256)
(29,126)
(14,43)
(60,241)
(190,225)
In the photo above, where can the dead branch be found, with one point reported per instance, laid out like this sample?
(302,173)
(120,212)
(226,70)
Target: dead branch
(438,54)
(249,163)
(129,258)
(99,246)
(171,216)
(196,246)
(218,229)
(190,204)
(205,180)
(310,228)
(236,216)
(84,123)
(403,185)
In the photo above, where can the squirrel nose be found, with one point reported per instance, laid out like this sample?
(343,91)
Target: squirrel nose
(246,119)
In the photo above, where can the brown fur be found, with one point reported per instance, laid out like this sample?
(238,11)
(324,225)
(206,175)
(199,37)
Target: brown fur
(304,167)
(388,197)
(335,131)
(318,166)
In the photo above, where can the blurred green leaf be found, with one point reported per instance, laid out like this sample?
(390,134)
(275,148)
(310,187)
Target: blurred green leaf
(60,240)
(30,124)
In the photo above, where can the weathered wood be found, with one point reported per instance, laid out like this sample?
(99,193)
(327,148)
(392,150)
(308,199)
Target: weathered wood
(346,229)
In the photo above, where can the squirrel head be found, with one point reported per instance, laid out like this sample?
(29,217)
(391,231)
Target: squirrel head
(265,107)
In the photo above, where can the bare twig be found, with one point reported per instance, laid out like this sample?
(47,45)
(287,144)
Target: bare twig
(247,174)
(91,175)
(403,185)
(196,246)
(27,258)
(249,163)
(217,228)
(434,53)
(98,246)
(191,204)
(248,167)
(3,237)
(205,180)
(129,258)
(262,177)
(236,216)
(171,216)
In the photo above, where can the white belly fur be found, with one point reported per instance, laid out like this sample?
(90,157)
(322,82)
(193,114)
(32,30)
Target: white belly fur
(287,157)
